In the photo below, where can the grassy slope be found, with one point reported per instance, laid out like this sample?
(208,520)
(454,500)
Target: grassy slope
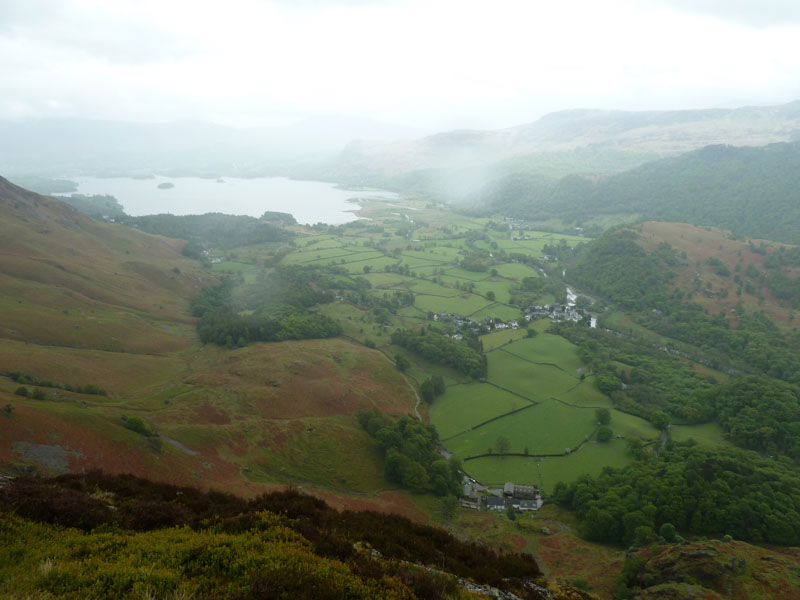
(86,302)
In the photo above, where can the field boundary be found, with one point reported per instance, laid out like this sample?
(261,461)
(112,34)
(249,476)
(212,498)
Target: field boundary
(533,362)
(522,455)
(513,412)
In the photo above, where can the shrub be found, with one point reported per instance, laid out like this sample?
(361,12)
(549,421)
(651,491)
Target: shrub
(138,425)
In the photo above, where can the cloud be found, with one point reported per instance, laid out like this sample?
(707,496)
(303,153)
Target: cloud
(757,14)
(103,31)
(448,63)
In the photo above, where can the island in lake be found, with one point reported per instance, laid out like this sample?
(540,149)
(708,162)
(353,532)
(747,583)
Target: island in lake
(166,185)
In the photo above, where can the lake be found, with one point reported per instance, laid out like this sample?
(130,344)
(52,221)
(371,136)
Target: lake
(307,201)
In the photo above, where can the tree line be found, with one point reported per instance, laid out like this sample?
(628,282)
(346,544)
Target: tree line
(701,491)
(410,456)
(440,349)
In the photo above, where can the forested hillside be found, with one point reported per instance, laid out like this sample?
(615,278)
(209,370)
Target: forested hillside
(752,191)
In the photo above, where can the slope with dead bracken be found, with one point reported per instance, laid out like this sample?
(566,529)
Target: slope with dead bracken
(84,302)
(701,279)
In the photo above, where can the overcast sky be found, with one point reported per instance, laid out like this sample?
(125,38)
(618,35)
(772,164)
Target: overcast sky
(432,64)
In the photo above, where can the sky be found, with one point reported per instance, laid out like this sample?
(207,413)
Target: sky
(428,64)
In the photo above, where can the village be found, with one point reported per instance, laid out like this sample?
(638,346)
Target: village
(555,312)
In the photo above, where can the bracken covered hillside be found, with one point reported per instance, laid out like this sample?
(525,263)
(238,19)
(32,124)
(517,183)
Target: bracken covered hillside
(100,536)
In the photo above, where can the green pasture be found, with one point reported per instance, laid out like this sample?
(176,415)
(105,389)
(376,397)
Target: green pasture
(494,340)
(547,428)
(549,348)
(325,244)
(355,257)
(422,286)
(356,266)
(311,240)
(426,270)
(630,426)
(427,255)
(516,271)
(414,312)
(386,280)
(500,287)
(450,280)
(545,472)
(414,261)
(440,252)
(313,255)
(707,434)
(537,382)
(464,406)
(586,394)
(468,275)
(455,245)
(464,304)
(495,309)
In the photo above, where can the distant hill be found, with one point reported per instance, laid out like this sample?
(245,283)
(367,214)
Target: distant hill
(107,148)
(558,135)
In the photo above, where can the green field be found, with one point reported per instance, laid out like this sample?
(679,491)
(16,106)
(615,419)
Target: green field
(386,280)
(468,275)
(707,434)
(546,472)
(464,406)
(376,264)
(311,240)
(464,304)
(629,426)
(516,271)
(496,339)
(500,288)
(495,309)
(586,394)
(537,382)
(547,428)
(548,348)
(422,286)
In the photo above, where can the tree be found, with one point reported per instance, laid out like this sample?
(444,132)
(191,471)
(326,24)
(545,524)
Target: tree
(449,506)
(427,392)
(668,532)
(367,268)
(603,416)
(439,386)
(660,419)
(490,295)
(604,434)
(503,444)
(8,410)
(401,362)
(23,391)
